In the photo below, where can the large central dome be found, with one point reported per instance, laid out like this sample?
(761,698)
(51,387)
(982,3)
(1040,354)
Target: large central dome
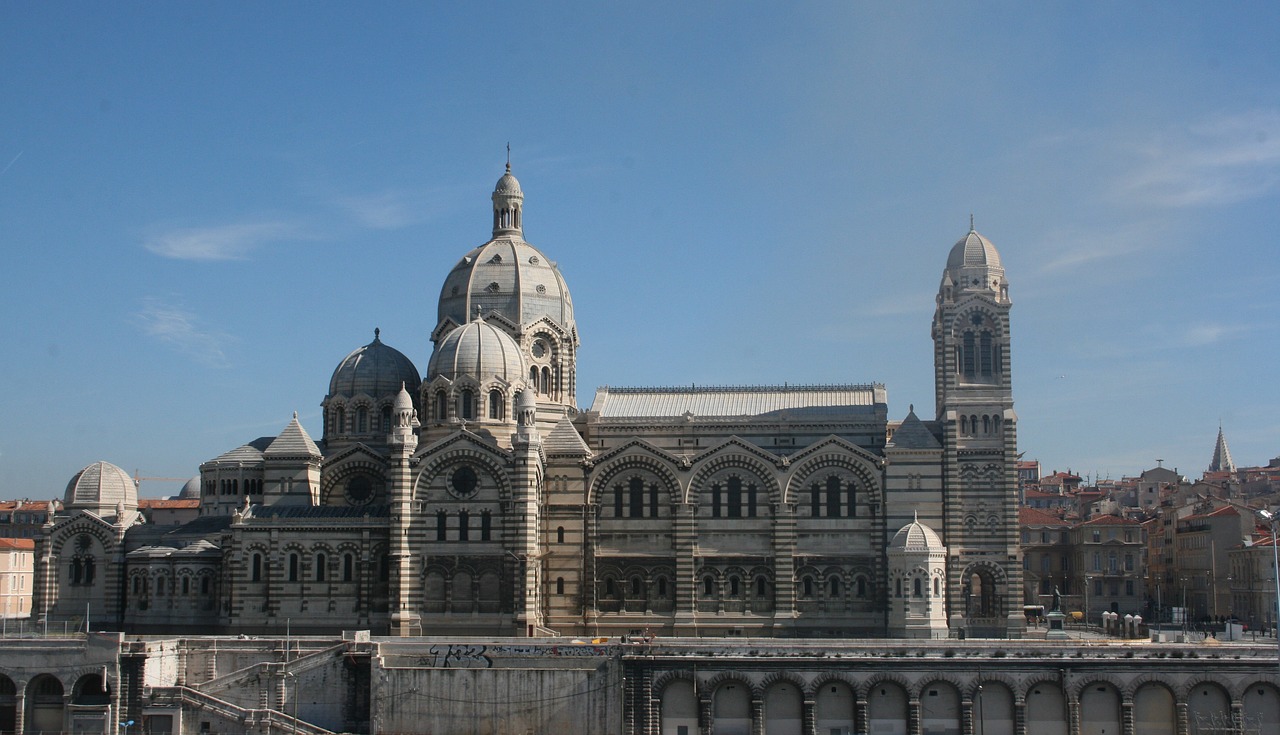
(506,276)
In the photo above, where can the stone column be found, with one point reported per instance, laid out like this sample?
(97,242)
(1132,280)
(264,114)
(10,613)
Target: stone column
(967,714)
(704,715)
(860,718)
(757,715)
(809,717)
(1183,727)
(1126,716)
(1019,716)
(20,711)
(1073,713)
(913,716)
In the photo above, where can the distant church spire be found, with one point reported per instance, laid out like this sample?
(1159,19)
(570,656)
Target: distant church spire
(1221,455)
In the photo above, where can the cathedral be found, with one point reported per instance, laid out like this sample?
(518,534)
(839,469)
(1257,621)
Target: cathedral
(477,498)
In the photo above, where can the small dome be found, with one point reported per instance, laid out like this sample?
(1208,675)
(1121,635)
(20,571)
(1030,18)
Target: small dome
(375,370)
(508,185)
(191,490)
(974,265)
(973,250)
(480,351)
(404,401)
(915,536)
(101,487)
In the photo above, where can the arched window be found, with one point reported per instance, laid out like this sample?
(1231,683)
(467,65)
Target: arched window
(546,380)
(559,585)
(917,589)
(464,526)
(984,353)
(533,380)
(637,586)
(806,585)
(486,525)
(88,570)
(495,405)
(362,420)
(442,521)
(609,589)
(75,571)
(833,587)
(255,568)
(293,567)
(964,425)
(751,500)
(635,497)
(715,500)
(833,497)
(340,419)
(708,587)
(160,587)
(204,585)
(653,500)
(321,562)
(968,366)
(735,497)
(733,587)
(762,586)
(986,424)
(862,587)
(386,418)
(467,407)
(560,534)
(442,406)
(662,586)
(186,585)
(937,587)
(348,567)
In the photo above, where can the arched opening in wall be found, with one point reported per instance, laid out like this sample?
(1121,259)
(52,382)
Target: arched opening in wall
(979,593)
(679,708)
(255,568)
(731,709)
(546,382)
(44,705)
(940,708)
(340,420)
(462,596)
(348,566)
(887,709)
(559,585)
(467,405)
(386,418)
(293,567)
(533,380)
(1260,708)
(90,690)
(1046,709)
(1154,710)
(833,708)
(322,564)
(783,705)
(433,592)
(362,420)
(1208,705)
(497,411)
(1100,708)
(993,708)
(8,705)
(442,406)
(560,534)
(490,598)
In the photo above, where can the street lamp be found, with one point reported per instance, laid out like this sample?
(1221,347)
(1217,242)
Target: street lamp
(1088,581)
(1271,518)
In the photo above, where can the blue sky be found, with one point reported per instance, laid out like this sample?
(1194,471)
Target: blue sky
(205,206)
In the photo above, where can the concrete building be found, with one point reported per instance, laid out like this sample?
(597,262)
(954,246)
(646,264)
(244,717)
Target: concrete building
(478,499)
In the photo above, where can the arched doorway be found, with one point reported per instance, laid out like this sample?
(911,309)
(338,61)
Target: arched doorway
(90,690)
(44,705)
(8,705)
(887,709)
(939,709)
(1046,709)
(782,709)
(731,709)
(1208,709)
(679,708)
(993,709)
(1153,710)
(834,704)
(1100,709)
(1261,708)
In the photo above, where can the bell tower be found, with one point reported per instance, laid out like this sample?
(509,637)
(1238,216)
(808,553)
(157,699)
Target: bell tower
(973,388)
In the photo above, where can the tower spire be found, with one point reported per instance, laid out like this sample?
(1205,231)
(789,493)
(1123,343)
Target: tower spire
(1221,455)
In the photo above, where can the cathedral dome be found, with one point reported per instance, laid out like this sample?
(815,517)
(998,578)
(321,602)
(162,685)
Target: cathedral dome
(477,350)
(191,490)
(101,487)
(507,276)
(375,370)
(974,264)
(915,536)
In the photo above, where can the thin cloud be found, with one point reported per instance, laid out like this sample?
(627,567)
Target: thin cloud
(388,210)
(225,242)
(1225,160)
(1075,249)
(1207,333)
(178,328)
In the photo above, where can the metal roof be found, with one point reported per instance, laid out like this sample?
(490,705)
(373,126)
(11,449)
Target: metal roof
(716,401)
